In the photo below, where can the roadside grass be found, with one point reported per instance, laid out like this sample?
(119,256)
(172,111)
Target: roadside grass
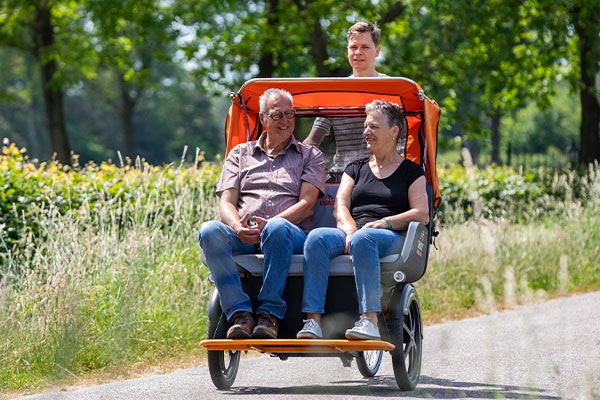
(487,266)
(113,285)
(117,283)
(482,265)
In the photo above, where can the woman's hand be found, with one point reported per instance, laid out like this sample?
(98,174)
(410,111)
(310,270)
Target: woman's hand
(378,224)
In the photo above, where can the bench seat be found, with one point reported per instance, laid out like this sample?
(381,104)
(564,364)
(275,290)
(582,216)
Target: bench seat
(339,266)
(410,261)
(408,265)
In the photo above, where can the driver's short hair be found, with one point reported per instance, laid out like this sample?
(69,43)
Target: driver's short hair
(362,27)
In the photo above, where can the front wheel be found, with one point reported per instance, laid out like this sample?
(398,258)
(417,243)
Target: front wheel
(222,364)
(407,337)
(223,367)
(368,362)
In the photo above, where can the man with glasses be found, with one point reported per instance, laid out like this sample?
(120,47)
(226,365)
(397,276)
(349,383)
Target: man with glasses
(268,191)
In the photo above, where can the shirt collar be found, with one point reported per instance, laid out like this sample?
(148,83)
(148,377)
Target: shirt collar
(258,145)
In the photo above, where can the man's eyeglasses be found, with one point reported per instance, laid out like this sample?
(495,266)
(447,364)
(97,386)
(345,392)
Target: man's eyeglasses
(278,115)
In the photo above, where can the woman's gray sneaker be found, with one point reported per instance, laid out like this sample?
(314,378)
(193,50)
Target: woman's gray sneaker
(363,329)
(311,330)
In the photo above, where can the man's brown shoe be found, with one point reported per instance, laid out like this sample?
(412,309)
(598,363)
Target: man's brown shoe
(243,324)
(266,326)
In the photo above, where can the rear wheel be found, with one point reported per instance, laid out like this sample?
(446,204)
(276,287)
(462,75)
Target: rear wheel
(407,337)
(223,364)
(368,362)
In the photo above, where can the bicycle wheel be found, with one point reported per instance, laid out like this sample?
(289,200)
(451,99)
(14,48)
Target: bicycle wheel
(368,362)
(222,364)
(407,337)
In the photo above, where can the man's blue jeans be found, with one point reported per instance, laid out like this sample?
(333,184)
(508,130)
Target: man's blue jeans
(366,247)
(279,240)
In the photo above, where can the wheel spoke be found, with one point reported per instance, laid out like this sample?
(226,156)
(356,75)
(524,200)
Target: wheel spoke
(409,333)
(406,359)
(368,362)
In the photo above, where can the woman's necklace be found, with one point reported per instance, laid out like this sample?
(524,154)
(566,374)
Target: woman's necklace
(383,164)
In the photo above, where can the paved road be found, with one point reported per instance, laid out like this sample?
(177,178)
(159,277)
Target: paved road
(545,351)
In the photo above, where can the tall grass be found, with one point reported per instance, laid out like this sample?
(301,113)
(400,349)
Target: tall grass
(482,267)
(102,269)
(514,250)
(111,283)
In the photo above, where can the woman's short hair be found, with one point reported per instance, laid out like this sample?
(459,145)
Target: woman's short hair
(391,112)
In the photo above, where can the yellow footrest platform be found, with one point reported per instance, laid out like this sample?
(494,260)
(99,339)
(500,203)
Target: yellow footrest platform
(296,345)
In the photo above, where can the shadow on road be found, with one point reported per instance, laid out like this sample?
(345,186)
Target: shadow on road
(385,386)
(448,389)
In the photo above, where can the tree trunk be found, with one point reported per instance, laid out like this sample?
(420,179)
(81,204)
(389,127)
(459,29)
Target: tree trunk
(318,49)
(266,63)
(589,54)
(53,95)
(127,109)
(495,139)
(32,133)
(473,151)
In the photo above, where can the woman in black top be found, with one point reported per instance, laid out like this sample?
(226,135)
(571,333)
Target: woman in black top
(377,197)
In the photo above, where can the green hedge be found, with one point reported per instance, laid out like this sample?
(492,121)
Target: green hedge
(504,193)
(29,190)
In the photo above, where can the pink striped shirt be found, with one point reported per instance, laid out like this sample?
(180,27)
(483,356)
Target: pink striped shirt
(269,185)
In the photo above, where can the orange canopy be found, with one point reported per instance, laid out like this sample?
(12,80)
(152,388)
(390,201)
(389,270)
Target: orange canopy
(344,97)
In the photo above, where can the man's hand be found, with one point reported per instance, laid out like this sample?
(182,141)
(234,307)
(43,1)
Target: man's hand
(259,222)
(248,234)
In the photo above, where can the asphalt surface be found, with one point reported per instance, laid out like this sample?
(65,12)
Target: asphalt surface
(549,350)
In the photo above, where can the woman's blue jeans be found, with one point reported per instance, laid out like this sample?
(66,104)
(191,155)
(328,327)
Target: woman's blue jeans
(366,247)
(279,240)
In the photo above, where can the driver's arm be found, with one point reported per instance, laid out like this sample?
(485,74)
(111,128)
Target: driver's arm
(315,136)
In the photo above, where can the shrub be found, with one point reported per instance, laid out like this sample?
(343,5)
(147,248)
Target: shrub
(121,196)
(502,193)
(103,268)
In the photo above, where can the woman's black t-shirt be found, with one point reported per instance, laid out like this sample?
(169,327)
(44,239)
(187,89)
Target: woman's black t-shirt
(374,198)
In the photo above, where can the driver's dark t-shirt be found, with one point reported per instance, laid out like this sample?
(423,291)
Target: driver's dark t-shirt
(374,198)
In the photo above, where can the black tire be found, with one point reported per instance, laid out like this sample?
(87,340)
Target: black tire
(407,337)
(222,365)
(368,362)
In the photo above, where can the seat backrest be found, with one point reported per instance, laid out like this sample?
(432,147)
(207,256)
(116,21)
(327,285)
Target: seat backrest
(324,210)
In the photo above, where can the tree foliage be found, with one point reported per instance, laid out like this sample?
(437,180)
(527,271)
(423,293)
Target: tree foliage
(132,38)
(237,40)
(42,29)
(118,62)
(482,60)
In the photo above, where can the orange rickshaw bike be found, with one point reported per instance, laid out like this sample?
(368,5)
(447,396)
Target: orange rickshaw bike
(400,322)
